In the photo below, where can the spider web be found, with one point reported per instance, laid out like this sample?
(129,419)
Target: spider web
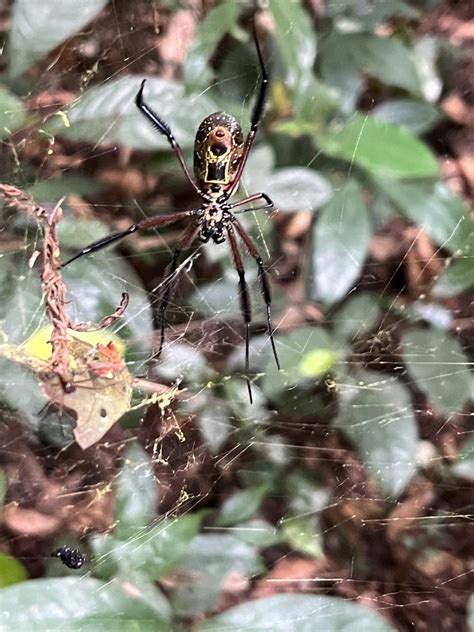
(335,512)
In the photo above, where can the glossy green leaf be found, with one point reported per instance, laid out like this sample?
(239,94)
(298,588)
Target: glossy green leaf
(439,368)
(357,316)
(296,40)
(153,551)
(209,560)
(417,116)
(386,59)
(220,20)
(11,571)
(456,279)
(137,492)
(297,189)
(241,505)
(12,113)
(341,237)
(298,613)
(291,189)
(470,614)
(376,415)
(54,189)
(296,351)
(340,70)
(305,494)
(303,534)
(107,114)
(426,54)
(437,210)
(215,426)
(78,604)
(3,488)
(381,148)
(257,532)
(32,35)
(95,286)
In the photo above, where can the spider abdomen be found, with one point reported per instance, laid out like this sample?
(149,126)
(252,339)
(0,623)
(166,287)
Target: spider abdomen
(218,150)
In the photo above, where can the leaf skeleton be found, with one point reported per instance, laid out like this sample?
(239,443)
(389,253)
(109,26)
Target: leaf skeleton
(220,154)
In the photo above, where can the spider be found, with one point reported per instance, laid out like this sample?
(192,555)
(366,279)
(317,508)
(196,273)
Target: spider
(220,154)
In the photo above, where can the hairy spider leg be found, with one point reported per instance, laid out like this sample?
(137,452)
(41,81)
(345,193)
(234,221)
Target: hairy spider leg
(163,127)
(255,118)
(169,282)
(264,284)
(245,304)
(152,222)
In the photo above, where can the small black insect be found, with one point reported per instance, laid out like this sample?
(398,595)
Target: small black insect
(72,558)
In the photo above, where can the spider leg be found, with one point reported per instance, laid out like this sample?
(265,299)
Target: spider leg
(265,285)
(185,241)
(256,115)
(245,304)
(164,129)
(253,198)
(160,220)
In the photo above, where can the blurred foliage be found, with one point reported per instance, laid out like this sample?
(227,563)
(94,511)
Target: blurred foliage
(345,138)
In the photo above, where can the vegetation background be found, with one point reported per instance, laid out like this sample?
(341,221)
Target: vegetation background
(343,497)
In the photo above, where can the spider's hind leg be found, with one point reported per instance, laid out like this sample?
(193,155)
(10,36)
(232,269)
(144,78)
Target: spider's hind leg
(244,301)
(169,281)
(264,284)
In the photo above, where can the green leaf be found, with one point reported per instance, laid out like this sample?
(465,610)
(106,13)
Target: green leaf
(95,286)
(303,534)
(438,366)
(381,148)
(137,492)
(257,532)
(357,316)
(305,493)
(470,613)
(210,559)
(154,552)
(417,116)
(215,426)
(3,488)
(296,40)
(32,35)
(291,189)
(376,415)
(241,505)
(54,189)
(386,59)
(437,210)
(340,70)
(78,604)
(298,613)
(456,279)
(464,464)
(297,189)
(294,351)
(107,114)
(11,571)
(218,21)
(341,237)
(12,113)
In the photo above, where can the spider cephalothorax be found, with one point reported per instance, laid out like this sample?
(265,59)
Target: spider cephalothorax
(220,154)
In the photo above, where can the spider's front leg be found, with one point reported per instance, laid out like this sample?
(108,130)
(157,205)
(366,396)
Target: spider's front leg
(152,222)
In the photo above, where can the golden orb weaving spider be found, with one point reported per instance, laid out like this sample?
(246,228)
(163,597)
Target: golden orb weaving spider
(220,154)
